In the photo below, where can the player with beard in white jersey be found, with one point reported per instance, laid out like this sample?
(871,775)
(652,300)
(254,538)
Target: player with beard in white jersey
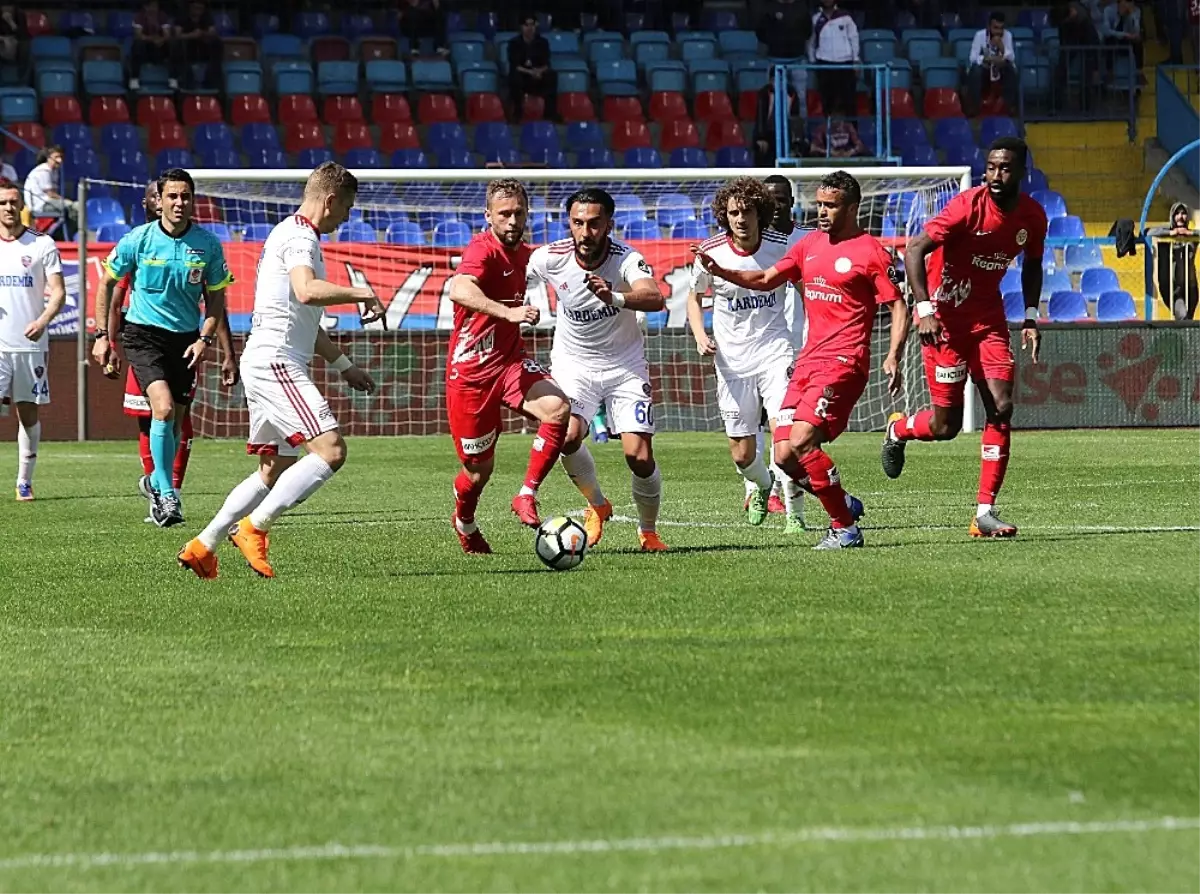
(30,270)
(286,409)
(598,355)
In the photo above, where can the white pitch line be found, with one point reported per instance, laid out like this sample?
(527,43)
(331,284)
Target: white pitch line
(830,834)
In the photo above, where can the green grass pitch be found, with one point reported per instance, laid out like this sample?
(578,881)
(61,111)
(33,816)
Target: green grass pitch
(929,713)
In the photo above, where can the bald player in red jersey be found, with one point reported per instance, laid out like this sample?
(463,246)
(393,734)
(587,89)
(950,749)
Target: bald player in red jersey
(843,274)
(488,368)
(963,327)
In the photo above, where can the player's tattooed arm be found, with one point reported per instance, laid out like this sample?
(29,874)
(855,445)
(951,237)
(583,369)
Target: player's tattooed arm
(465,291)
(919,248)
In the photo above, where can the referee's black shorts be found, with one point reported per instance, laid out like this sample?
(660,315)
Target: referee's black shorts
(156,355)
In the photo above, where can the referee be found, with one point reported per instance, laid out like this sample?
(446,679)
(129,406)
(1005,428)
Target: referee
(178,265)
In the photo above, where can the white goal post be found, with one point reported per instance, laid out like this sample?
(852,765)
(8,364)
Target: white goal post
(404,239)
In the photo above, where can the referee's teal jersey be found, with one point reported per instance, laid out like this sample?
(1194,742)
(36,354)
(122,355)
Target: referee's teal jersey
(172,274)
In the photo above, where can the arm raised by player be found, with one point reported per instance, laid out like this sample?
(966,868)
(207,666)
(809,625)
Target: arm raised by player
(466,291)
(356,378)
(756,280)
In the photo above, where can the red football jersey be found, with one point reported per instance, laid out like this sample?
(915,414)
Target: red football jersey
(480,345)
(842,283)
(976,242)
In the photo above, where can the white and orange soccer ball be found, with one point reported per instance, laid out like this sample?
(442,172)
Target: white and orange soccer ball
(561,543)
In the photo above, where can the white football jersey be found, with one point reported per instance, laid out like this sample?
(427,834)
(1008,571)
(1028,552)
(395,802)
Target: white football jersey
(586,330)
(282,328)
(751,328)
(25,264)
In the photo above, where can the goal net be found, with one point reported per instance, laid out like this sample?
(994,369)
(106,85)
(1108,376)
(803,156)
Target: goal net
(405,237)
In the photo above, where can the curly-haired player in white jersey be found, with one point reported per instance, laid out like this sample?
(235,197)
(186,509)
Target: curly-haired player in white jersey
(598,355)
(286,409)
(30,269)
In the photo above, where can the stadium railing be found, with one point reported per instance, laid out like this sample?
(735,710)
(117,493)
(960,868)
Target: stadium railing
(1080,83)
(1177,88)
(878,77)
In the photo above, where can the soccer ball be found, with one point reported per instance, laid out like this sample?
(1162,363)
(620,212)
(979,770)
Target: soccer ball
(561,543)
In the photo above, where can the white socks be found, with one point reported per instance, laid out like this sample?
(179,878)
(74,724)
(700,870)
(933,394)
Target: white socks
(793,498)
(581,469)
(27,448)
(647,494)
(241,501)
(294,486)
(757,473)
(982,509)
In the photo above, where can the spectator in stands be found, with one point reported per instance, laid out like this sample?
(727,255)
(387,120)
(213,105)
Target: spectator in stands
(925,13)
(1177,264)
(837,140)
(764,121)
(835,42)
(14,37)
(529,65)
(1076,29)
(992,62)
(151,42)
(786,28)
(41,189)
(423,20)
(196,43)
(1123,28)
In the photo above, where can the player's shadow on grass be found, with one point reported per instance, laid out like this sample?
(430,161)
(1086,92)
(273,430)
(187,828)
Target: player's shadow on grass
(707,548)
(459,572)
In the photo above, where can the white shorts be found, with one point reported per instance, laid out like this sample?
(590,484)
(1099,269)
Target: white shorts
(286,409)
(742,399)
(24,372)
(626,391)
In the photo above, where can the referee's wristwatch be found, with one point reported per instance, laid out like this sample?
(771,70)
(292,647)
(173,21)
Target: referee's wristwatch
(207,339)
(99,334)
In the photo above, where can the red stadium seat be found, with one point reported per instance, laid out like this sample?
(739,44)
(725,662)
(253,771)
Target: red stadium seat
(622,108)
(149,109)
(436,107)
(303,135)
(207,211)
(902,103)
(863,109)
(342,108)
(329,49)
(352,135)
(667,105)
(296,108)
(166,135)
(398,135)
(484,107)
(202,110)
(533,108)
(61,110)
(942,102)
(38,23)
(249,108)
(630,134)
(679,134)
(713,105)
(724,133)
(389,107)
(993,105)
(372,48)
(27,131)
(576,107)
(814,108)
(110,110)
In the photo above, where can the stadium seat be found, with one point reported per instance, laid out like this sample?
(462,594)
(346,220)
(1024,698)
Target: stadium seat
(942,102)
(690,229)
(114,138)
(734,157)
(1098,280)
(247,79)
(310,158)
(18,104)
(1116,305)
(166,135)
(451,234)
(129,166)
(111,232)
(446,135)
(62,109)
(630,134)
(688,157)
(437,108)
(297,108)
(1034,181)
(103,78)
(1067,307)
(707,81)
(722,134)
(902,103)
(173,158)
(434,76)
(576,107)
(37,23)
(622,108)
(379,49)
(582,134)
(398,135)
(1053,203)
(201,110)
(387,108)
(666,106)
(919,157)
(216,157)
(364,157)
(257,232)
(550,158)
(673,207)
(455,158)
(104,210)
(640,228)
(493,137)
(351,135)
(24,133)
(993,128)
(49,46)
(337,109)
(404,233)
(643,158)
(356,231)
(409,158)
(1053,281)
(539,135)
(356,25)
(953,132)
(544,231)
(747,104)
(668,78)
(594,157)
(304,135)
(1068,227)
(248,108)
(679,134)
(55,79)
(150,110)
(386,76)
(714,105)
(533,108)
(1014,306)
(484,108)
(337,79)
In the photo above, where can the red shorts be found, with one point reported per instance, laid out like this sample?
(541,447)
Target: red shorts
(821,394)
(474,407)
(982,352)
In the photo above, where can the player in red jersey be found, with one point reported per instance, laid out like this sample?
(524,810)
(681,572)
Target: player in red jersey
(963,327)
(844,274)
(488,369)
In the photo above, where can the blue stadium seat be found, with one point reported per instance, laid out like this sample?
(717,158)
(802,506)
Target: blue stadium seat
(455,158)
(220,230)
(259,135)
(1116,305)
(921,49)
(113,137)
(938,76)
(446,135)
(386,76)
(337,79)
(257,232)
(648,54)
(550,158)
(640,228)
(573,82)
(404,233)
(629,207)
(690,229)
(293,78)
(672,208)
(409,159)
(908,132)
(919,157)
(492,136)
(594,157)
(617,77)
(212,136)
(112,232)
(81,163)
(243,78)
(582,134)
(969,156)
(49,46)
(953,132)
(479,81)
(509,158)
(1035,180)
(605,51)
(642,37)
(266,157)
(643,157)
(103,77)
(734,157)
(1035,75)
(720,20)
(311,24)
(1067,307)
(104,210)
(432,76)
(875,52)
(1069,227)
(362,158)
(281,46)
(222,21)
(562,42)
(547,231)
(993,128)
(129,166)
(539,135)
(734,42)
(356,25)
(356,231)
(1098,280)
(58,80)
(220,158)
(1053,203)
(1014,307)
(173,158)
(688,158)
(451,234)
(1056,281)
(1011,281)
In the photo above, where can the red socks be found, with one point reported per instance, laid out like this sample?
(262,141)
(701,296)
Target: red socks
(827,487)
(918,427)
(183,453)
(996,442)
(466,498)
(546,448)
(144,445)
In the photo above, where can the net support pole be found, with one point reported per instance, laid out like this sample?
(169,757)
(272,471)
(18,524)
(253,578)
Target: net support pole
(968,423)
(81,316)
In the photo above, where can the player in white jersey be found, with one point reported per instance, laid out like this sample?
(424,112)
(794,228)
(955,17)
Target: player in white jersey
(32,292)
(286,409)
(598,356)
(751,342)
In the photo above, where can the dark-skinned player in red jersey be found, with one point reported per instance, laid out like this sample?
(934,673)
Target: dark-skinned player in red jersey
(959,260)
(488,368)
(843,273)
